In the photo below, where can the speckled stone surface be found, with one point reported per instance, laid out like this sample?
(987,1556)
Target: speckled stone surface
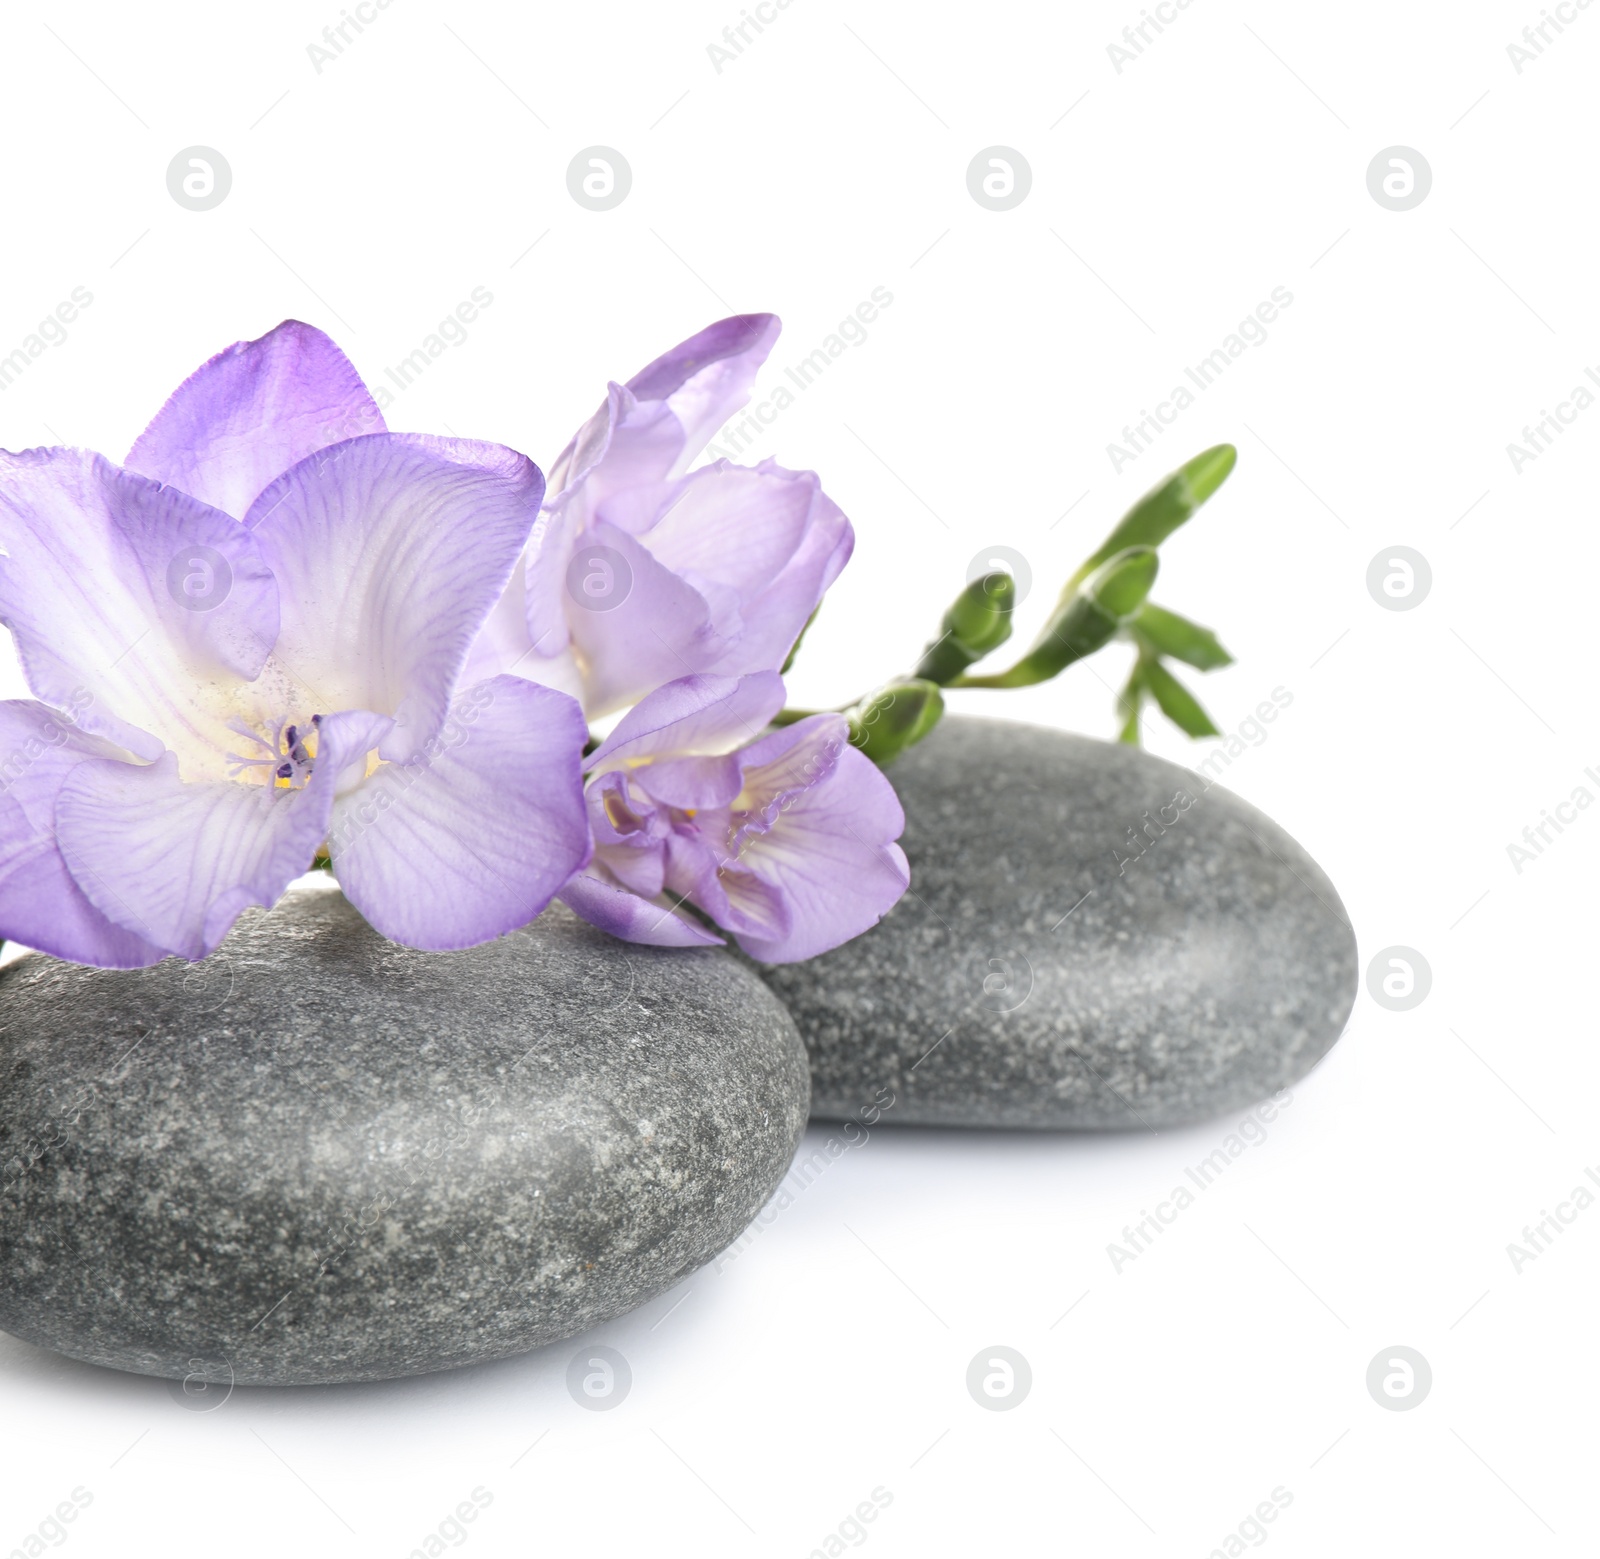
(319,1157)
(1094,938)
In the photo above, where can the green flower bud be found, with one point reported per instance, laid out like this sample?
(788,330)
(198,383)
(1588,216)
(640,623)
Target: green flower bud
(979,620)
(1119,586)
(1164,508)
(1086,621)
(894,717)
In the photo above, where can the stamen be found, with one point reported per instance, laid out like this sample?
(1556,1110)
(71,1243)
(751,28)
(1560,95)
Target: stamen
(620,815)
(289,758)
(239,728)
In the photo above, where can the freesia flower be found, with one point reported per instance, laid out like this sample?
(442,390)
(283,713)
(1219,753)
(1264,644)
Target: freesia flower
(644,570)
(783,839)
(246,648)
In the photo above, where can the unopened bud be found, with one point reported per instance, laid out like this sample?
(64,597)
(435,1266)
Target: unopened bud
(1165,507)
(979,620)
(1087,621)
(894,717)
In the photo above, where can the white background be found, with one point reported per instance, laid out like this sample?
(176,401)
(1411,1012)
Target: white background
(830,158)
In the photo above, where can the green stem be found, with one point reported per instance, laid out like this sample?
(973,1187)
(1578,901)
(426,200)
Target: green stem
(1018,676)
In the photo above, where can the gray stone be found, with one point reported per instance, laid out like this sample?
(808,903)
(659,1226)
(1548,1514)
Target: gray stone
(1072,955)
(320,1157)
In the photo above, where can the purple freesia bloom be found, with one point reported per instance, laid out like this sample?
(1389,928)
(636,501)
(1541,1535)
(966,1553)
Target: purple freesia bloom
(246,647)
(785,838)
(641,564)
